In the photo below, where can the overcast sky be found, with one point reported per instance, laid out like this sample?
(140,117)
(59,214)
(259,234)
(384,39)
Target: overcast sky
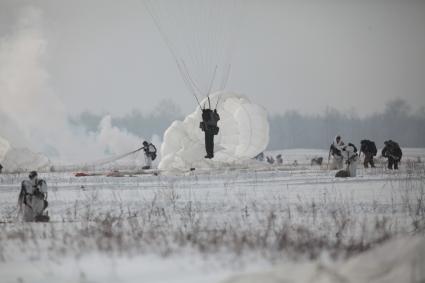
(107,56)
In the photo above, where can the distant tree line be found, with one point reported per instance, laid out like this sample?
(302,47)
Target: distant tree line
(397,122)
(136,122)
(292,129)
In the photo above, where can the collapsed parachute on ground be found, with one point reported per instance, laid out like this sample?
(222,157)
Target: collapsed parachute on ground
(21,159)
(244,133)
(24,160)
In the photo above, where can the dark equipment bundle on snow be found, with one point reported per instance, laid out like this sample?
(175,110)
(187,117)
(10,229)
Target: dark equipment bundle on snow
(316,161)
(342,174)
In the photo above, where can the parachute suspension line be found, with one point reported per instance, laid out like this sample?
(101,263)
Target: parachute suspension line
(199,38)
(212,81)
(211,43)
(230,27)
(190,86)
(212,51)
(227,29)
(198,34)
(218,99)
(228,52)
(225,77)
(104,161)
(186,78)
(189,48)
(190,78)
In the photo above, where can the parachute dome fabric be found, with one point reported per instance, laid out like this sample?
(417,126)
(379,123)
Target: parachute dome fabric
(244,133)
(23,159)
(20,159)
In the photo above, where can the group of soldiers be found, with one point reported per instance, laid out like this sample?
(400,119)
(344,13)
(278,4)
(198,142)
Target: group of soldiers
(341,152)
(32,199)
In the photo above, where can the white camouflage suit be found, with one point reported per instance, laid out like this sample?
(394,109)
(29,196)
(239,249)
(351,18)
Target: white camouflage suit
(30,203)
(351,159)
(337,160)
(148,158)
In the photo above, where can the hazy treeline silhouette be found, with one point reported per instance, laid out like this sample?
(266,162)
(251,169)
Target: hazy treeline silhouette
(136,122)
(397,122)
(292,129)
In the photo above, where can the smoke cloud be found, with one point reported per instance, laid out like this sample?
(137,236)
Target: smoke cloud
(32,115)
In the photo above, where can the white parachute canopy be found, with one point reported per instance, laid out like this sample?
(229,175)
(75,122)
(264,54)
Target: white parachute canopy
(243,134)
(20,159)
(24,160)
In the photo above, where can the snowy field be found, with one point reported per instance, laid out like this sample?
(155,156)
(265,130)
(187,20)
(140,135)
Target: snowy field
(292,222)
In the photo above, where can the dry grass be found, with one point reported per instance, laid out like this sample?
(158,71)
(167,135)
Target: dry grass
(168,223)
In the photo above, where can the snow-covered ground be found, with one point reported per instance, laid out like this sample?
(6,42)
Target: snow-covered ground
(208,225)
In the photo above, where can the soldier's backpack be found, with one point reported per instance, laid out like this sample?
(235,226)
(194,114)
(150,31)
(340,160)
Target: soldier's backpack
(152,153)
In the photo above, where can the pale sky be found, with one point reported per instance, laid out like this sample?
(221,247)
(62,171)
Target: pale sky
(108,56)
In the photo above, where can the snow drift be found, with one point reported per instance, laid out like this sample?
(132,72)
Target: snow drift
(400,260)
(244,133)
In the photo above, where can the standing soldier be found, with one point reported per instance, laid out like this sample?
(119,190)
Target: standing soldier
(32,199)
(209,126)
(150,154)
(392,151)
(349,154)
(369,150)
(335,151)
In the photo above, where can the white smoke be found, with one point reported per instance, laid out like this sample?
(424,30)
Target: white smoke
(32,115)
(114,140)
